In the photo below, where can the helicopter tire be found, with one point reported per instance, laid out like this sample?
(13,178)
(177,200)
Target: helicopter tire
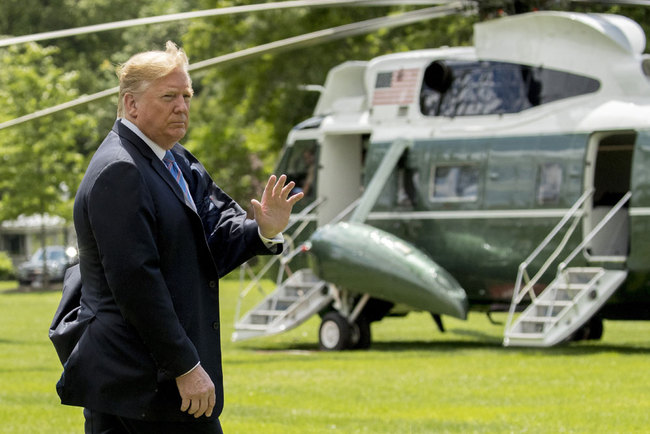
(361,336)
(334,333)
(595,328)
(592,330)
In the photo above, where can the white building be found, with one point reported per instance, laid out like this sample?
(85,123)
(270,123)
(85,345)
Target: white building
(22,237)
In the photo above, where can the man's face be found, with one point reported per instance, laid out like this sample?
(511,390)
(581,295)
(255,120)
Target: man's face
(162,112)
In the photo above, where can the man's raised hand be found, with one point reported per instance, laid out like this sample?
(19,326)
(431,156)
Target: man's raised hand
(273,212)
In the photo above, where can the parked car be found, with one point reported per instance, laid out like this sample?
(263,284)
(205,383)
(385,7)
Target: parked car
(58,259)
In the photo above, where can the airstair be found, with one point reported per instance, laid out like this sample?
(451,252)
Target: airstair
(299,297)
(296,297)
(564,306)
(572,298)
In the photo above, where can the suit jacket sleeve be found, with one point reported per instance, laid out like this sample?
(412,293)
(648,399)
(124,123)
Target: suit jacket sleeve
(121,213)
(232,237)
(232,230)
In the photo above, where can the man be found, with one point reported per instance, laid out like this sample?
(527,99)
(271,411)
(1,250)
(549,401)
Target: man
(154,237)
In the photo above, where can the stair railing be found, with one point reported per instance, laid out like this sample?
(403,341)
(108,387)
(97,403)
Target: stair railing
(255,279)
(572,216)
(601,224)
(587,239)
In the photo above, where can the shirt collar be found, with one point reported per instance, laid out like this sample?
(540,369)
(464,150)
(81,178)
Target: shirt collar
(160,152)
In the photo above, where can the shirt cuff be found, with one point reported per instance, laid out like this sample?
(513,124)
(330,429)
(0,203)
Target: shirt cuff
(271,242)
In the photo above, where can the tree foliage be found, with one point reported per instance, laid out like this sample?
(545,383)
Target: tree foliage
(241,113)
(41,160)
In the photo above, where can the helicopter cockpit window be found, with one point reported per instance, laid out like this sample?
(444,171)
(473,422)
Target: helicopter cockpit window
(300,166)
(454,183)
(550,182)
(459,88)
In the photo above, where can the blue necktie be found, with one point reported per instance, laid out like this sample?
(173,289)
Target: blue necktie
(170,162)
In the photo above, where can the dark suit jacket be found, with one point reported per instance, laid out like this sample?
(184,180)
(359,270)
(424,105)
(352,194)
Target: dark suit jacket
(150,267)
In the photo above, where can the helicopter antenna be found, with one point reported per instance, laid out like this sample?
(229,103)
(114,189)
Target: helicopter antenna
(307,39)
(205,13)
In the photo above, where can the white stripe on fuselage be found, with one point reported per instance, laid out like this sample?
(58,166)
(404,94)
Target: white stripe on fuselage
(478,214)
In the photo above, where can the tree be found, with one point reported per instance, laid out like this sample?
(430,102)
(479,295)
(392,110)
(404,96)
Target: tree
(42,161)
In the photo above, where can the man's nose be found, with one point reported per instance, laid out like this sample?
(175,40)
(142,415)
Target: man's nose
(181,104)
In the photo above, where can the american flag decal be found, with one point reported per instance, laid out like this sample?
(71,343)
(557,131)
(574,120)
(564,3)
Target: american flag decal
(396,87)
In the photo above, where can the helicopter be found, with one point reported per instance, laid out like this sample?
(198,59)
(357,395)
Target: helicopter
(434,177)
(510,175)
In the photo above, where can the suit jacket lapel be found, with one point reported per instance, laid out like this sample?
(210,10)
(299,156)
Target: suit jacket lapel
(158,166)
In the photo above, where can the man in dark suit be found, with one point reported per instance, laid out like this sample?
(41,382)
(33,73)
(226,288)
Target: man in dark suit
(154,237)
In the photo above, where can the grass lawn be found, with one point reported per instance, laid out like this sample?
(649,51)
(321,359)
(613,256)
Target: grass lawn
(412,380)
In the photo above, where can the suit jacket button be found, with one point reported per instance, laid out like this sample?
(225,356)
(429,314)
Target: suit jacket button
(215,325)
(213,284)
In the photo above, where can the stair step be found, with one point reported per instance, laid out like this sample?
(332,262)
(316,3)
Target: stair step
(251,327)
(572,286)
(566,295)
(554,303)
(538,319)
(550,309)
(294,293)
(267,312)
(520,335)
(280,299)
(301,285)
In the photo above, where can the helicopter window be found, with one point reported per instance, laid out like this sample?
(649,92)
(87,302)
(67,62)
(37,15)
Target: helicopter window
(487,88)
(455,183)
(550,181)
(300,166)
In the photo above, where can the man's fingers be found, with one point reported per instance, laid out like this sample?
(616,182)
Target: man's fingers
(212,399)
(203,407)
(257,206)
(287,189)
(277,188)
(196,404)
(185,404)
(295,198)
(270,186)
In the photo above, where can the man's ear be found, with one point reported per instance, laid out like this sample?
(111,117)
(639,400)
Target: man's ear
(130,105)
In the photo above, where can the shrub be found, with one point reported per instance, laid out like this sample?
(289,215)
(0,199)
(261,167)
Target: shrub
(7,271)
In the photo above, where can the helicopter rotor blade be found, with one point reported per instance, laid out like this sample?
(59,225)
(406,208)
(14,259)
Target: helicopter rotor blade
(624,2)
(272,47)
(205,13)
(331,34)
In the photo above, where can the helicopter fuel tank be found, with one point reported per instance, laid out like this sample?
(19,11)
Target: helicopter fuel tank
(368,260)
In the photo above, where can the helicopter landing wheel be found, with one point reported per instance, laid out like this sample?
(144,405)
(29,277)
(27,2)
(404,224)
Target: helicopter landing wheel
(361,338)
(335,332)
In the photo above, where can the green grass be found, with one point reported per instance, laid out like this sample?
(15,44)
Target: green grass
(413,379)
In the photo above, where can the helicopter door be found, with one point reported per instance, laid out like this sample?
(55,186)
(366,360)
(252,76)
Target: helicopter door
(609,170)
(339,174)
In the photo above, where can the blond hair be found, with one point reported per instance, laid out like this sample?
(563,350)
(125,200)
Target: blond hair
(137,74)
